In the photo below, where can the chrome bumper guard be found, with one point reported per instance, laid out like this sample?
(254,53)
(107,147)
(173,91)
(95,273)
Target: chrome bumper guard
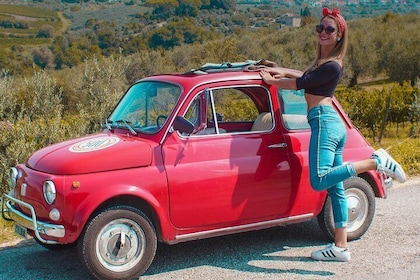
(9,213)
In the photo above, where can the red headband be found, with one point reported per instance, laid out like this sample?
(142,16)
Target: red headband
(335,13)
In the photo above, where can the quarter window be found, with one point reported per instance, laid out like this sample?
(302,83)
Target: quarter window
(294,109)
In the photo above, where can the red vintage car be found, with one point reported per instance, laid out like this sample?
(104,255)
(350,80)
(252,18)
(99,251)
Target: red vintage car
(210,152)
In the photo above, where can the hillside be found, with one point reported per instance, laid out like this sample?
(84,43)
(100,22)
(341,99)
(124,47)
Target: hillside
(60,34)
(24,22)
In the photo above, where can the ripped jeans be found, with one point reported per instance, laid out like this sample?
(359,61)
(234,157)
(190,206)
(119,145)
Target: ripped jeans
(326,169)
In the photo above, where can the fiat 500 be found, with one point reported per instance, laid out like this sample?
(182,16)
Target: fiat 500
(206,153)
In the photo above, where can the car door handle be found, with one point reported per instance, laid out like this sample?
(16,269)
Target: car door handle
(279,145)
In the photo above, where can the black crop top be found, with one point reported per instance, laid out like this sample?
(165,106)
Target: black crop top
(322,81)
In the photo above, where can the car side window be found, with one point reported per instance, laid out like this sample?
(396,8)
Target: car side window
(233,105)
(294,109)
(230,110)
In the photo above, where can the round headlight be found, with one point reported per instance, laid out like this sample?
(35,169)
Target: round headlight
(13,176)
(49,192)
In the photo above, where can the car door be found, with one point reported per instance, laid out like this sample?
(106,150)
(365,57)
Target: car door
(228,172)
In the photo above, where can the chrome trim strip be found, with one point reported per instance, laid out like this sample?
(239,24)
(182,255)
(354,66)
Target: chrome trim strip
(240,228)
(31,222)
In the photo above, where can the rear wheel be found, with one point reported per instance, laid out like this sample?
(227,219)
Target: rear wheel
(119,243)
(361,209)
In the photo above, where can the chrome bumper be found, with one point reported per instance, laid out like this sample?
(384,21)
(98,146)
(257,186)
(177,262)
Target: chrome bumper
(11,214)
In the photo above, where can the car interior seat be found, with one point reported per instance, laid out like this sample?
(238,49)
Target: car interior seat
(263,122)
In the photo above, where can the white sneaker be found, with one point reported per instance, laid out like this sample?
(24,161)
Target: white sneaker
(332,253)
(389,166)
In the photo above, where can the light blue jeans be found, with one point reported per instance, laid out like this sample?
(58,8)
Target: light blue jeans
(326,169)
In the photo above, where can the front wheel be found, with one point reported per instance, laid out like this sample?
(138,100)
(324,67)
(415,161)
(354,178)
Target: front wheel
(361,210)
(118,243)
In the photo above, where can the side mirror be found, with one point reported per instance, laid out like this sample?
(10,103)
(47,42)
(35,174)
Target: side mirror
(183,125)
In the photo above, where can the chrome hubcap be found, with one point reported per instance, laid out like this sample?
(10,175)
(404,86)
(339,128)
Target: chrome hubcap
(358,207)
(120,245)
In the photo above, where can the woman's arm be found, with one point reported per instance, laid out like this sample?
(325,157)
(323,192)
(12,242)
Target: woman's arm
(281,77)
(283,72)
(288,73)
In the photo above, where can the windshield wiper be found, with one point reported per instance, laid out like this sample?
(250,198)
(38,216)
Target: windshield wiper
(127,125)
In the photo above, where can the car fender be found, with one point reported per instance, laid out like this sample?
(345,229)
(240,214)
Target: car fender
(95,201)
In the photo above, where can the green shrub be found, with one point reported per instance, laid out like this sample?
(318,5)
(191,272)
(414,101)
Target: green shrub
(32,112)
(406,152)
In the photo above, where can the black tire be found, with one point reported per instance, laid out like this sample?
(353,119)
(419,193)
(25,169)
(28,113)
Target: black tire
(118,243)
(361,210)
(57,247)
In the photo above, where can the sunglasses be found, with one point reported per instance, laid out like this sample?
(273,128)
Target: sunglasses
(328,30)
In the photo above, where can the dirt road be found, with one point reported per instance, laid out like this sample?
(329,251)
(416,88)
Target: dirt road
(390,250)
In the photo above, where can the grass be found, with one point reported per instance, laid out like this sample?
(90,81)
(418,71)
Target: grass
(6,231)
(35,18)
(27,11)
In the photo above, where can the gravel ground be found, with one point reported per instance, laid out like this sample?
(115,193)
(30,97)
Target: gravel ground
(390,250)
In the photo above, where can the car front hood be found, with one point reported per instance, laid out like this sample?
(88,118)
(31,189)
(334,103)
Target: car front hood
(92,153)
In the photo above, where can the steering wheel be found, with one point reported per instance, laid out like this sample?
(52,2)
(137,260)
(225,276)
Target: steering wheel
(158,120)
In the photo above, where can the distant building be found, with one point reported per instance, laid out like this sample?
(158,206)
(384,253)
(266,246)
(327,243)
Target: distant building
(289,19)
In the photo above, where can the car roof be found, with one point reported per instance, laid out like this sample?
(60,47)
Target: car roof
(213,72)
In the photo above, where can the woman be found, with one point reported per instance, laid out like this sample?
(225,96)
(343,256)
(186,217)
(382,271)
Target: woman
(328,133)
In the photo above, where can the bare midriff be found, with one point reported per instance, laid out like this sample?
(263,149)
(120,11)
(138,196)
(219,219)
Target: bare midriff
(316,100)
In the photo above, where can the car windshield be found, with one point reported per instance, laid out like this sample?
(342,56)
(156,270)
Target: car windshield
(145,107)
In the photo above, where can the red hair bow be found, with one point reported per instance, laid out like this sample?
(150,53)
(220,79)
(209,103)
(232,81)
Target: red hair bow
(335,13)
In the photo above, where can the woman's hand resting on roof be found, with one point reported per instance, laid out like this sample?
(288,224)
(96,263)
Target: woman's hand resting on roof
(271,75)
